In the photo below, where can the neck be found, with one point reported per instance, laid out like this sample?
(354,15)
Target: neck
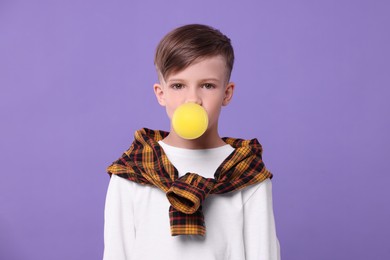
(210,139)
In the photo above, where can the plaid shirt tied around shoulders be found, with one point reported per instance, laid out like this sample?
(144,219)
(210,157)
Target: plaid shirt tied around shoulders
(146,163)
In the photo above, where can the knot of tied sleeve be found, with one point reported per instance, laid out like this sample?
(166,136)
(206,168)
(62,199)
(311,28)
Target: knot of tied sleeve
(189,191)
(146,163)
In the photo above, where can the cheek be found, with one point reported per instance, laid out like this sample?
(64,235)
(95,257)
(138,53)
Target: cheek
(213,111)
(170,108)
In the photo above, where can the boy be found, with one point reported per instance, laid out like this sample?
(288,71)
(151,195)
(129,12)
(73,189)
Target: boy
(208,198)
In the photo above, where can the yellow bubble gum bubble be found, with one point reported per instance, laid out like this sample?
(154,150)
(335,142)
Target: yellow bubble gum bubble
(190,121)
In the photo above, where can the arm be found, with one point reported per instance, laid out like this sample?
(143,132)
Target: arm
(119,231)
(260,237)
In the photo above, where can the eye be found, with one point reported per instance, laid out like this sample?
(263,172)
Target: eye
(177,86)
(208,86)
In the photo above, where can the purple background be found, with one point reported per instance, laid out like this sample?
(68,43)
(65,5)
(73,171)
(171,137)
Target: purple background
(312,85)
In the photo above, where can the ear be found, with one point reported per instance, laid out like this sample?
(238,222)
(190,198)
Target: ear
(228,93)
(159,92)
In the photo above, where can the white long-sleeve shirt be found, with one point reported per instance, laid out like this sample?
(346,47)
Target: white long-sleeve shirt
(239,225)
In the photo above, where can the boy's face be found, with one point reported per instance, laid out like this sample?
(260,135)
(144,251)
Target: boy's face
(204,83)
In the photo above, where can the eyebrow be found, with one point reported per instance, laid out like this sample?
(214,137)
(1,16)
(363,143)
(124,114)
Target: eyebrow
(210,79)
(202,80)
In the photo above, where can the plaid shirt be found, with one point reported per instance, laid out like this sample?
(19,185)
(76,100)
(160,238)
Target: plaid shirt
(146,163)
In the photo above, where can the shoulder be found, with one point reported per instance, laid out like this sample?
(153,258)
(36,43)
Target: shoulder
(117,180)
(261,190)
(119,185)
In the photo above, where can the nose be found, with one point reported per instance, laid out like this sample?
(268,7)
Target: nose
(194,97)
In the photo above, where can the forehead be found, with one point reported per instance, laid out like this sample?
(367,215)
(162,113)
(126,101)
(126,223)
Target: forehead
(204,68)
